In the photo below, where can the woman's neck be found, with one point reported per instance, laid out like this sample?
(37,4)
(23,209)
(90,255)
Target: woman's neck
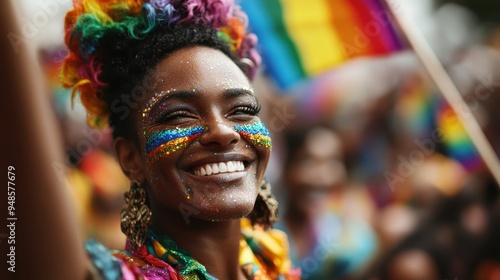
(215,245)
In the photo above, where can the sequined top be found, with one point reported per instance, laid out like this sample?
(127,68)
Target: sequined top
(263,256)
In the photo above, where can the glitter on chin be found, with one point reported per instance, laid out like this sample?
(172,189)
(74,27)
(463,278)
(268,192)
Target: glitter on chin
(256,133)
(219,203)
(164,142)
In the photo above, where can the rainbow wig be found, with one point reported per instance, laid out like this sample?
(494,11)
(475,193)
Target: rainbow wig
(106,41)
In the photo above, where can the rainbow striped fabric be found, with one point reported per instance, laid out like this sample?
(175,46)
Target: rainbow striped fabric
(300,39)
(457,142)
(303,39)
(422,111)
(416,107)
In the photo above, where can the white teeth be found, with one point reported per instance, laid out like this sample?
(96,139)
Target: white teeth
(230,167)
(215,168)
(221,167)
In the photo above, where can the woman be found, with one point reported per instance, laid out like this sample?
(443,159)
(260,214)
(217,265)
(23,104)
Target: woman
(172,78)
(327,239)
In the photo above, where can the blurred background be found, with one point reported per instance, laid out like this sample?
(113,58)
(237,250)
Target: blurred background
(376,177)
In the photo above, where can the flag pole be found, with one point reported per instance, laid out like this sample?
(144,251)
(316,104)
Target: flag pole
(445,84)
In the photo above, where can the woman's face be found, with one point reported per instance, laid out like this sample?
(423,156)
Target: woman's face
(315,171)
(204,148)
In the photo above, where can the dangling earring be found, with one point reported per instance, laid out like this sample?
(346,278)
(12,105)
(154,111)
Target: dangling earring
(265,211)
(135,215)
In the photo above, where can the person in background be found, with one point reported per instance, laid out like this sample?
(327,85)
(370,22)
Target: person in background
(327,239)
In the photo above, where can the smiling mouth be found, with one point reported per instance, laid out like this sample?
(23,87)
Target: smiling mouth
(219,167)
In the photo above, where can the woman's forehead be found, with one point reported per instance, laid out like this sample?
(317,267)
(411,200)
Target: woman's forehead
(198,68)
(194,70)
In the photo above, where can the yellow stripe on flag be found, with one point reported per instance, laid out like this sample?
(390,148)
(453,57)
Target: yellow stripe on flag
(309,24)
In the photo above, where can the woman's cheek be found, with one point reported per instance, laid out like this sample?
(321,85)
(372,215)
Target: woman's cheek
(162,143)
(255,133)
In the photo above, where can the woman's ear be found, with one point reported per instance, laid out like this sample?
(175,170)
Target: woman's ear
(129,158)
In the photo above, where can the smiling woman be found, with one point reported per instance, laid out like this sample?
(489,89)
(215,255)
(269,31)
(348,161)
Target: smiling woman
(189,128)
(172,78)
(192,142)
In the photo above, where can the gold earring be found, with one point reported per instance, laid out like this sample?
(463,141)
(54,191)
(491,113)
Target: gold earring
(135,215)
(265,211)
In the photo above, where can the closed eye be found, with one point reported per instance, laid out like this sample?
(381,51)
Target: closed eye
(176,116)
(251,110)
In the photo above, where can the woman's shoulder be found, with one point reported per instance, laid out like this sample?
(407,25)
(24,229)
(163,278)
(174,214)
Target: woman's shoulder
(120,264)
(264,254)
(266,250)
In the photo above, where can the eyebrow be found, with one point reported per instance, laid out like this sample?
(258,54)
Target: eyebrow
(181,94)
(195,94)
(235,92)
(166,95)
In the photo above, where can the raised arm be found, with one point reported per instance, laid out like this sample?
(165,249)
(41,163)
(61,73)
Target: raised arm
(47,244)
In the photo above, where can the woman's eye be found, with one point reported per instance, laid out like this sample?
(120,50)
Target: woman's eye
(179,115)
(246,110)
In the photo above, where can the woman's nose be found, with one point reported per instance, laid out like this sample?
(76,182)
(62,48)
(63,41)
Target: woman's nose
(219,134)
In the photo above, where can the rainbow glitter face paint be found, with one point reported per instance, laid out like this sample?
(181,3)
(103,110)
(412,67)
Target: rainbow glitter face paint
(164,142)
(256,133)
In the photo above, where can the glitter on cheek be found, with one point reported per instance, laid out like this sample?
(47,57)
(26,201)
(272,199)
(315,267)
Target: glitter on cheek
(256,133)
(164,142)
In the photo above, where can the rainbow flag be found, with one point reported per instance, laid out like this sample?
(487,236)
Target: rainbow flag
(422,110)
(300,39)
(457,142)
(416,106)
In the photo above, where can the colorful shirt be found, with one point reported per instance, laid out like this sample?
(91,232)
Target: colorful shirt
(263,256)
(341,248)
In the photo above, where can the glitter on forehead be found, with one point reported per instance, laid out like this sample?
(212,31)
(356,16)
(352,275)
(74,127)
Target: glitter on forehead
(256,133)
(165,142)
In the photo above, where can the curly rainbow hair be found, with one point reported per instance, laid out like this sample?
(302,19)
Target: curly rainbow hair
(112,43)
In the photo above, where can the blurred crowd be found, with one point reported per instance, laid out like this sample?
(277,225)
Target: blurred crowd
(375,175)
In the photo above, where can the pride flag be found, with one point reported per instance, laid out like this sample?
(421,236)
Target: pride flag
(422,110)
(457,142)
(300,39)
(416,106)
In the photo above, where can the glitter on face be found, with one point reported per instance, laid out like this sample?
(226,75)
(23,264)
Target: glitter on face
(164,108)
(256,133)
(164,142)
(152,102)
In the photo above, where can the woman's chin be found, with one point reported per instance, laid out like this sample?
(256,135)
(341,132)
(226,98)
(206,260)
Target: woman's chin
(227,212)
